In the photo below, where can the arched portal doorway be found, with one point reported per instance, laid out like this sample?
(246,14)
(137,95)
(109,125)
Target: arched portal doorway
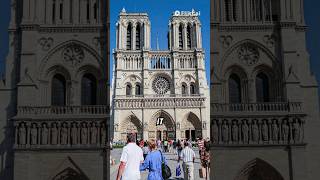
(131,125)
(162,126)
(191,127)
(258,169)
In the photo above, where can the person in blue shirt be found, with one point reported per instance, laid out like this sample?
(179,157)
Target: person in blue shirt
(153,162)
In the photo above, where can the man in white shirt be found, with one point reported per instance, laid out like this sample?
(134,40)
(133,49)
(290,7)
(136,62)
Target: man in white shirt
(188,157)
(131,158)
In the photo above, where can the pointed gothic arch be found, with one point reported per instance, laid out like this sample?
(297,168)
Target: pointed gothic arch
(191,126)
(258,169)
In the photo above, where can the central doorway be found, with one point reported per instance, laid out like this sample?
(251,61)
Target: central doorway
(162,125)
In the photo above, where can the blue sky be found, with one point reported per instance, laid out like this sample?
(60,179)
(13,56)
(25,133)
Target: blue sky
(159,12)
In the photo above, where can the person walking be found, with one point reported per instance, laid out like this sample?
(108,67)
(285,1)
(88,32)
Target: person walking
(145,150)
(131,158)
(153,162)
(188,157)
(165,144)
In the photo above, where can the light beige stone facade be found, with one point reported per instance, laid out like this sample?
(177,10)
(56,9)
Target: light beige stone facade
(159,85)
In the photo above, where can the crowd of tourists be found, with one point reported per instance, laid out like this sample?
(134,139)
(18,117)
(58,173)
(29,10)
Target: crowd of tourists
(149,155)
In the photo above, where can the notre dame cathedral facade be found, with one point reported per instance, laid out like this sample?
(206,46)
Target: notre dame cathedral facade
(164,86)
(53,109)
(264,100)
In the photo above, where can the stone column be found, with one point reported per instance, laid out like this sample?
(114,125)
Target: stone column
(184,36)
(133,35)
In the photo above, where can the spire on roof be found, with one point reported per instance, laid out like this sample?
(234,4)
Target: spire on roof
(123,10)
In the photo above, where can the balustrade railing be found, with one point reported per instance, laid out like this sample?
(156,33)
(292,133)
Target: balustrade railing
(63,110)
(158,101)
(258,107)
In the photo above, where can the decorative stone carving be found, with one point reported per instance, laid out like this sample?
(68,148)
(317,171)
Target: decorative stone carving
(296,131)
(44,134)
(74,133)
(103,134)
(255,131)
(248,54)
(54,134)
(265,129)
(225,132)
(94,133)
(226,41)
(269,40)
(64,134)
(46,43)
(161,85)
(215,132)
(33,134)
(285,131)
(235,131)
(22,134)
(245,132)
(84,134)
(275,131)
(73,54)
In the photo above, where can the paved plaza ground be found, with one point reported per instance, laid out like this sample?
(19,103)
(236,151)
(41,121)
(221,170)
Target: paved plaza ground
(171,158)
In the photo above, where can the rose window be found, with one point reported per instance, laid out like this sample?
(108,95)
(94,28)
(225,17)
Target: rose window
(248,54)
(73,54)
(161,85)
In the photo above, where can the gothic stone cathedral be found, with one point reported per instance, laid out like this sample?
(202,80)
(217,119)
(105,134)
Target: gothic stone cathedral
(164,86)
(264,101)
(53,99)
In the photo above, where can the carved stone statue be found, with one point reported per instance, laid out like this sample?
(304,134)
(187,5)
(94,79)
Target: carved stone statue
(296,131)
(44,134)
(74,133)
(235,132)
(275,131)
(255,131)
(285,131)
(54,134)
(215,132)
(225,132)
(22,134)
(84,134)
(103,134)
(265,129)
(245,132)
(93,133)
(33,134)
(64,134)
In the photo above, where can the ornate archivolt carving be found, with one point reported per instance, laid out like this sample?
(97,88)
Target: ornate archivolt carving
(73,54)
(46,43)
(248,54)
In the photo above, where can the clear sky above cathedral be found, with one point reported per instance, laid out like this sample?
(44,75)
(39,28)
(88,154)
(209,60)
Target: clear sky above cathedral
(159,12)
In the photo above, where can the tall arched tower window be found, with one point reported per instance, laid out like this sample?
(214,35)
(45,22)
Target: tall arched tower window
(192,88)
(138,37)
(88,90)
(189,37)
(53,11)
(138,89)
(183,89)
(180,37)
(262,88)
(129,36)
(58,90)
(234,89)
(128,89)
